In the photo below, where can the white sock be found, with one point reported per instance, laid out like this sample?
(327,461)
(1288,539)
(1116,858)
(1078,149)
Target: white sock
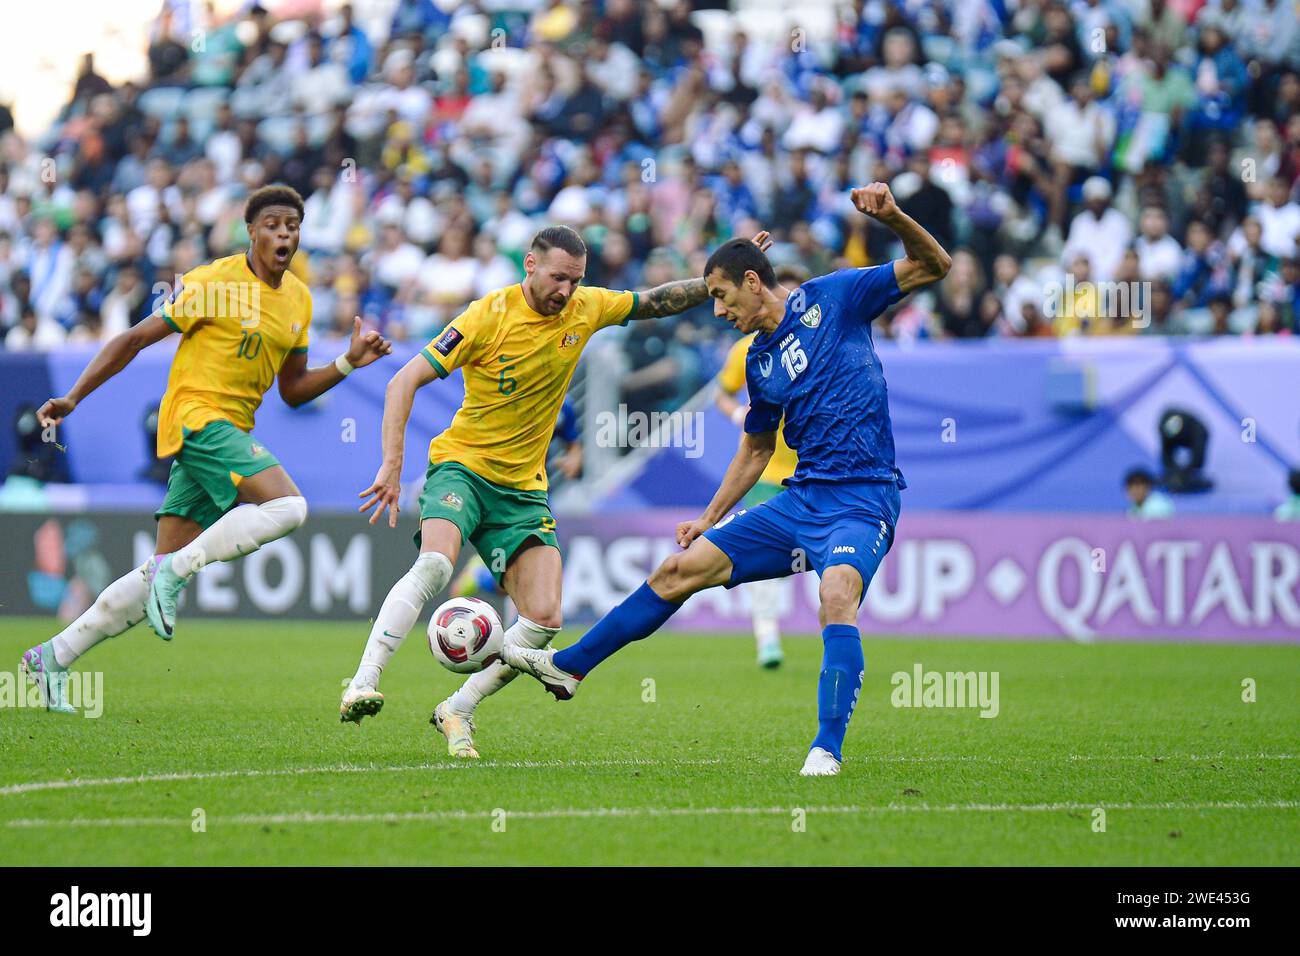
(241,531)
(765,606)
(118,607)
(398,614)
(492,678)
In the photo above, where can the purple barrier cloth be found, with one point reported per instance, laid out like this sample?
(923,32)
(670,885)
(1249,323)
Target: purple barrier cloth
(1082,577)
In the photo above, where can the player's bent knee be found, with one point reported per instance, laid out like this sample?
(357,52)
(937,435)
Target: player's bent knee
(681,575)
(841,587)
(430,573)
(289,512)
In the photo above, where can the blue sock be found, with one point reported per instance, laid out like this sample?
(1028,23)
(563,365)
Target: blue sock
(838,685)
(643,613)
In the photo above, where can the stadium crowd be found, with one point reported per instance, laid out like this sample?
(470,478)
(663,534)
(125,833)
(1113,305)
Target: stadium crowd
(1050,145)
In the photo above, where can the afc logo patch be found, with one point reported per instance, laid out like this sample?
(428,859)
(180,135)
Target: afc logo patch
(255,450)
(570,338)
(765,364)
(447,341)
(813,317)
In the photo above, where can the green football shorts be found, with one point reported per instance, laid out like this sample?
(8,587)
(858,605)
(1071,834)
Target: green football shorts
(493,518)
(762,491)
(204,480)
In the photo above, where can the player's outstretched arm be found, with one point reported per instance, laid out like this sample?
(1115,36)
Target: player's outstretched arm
(751,458)
(398,399)
(672,298)
(111,359)
(669,299)
(300,384)
(926,260)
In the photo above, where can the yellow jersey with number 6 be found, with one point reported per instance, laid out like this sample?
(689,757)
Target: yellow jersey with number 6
(236,331)
(517,365)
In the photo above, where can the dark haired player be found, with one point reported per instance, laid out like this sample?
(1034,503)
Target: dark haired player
(813,363)
(243,323)
(486,481)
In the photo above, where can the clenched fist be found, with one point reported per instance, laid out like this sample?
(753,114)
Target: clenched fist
(875,201)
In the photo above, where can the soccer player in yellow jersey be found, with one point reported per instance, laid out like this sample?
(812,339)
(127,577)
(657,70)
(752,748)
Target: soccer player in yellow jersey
(486,482)
(243,323)
(764,596)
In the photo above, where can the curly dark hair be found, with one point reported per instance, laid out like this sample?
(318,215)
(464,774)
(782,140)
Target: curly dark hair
(272,196)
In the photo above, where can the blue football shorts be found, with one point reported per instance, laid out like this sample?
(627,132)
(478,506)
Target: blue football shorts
(810,527)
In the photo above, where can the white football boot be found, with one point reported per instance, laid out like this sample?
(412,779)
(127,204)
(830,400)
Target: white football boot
(539,662)
(820,763)
(359,701)
(457,728)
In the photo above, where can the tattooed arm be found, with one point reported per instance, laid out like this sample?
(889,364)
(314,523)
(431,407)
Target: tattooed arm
(674,297)
(670,299)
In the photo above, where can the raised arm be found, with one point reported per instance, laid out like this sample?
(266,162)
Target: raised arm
(398,399)
(300,384)
(926,261)
(116,355)
(674,297)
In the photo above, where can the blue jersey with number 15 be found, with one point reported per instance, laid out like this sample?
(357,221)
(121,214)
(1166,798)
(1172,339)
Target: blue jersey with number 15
(820,370)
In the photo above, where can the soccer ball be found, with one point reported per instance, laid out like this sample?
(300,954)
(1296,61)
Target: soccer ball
(465,635)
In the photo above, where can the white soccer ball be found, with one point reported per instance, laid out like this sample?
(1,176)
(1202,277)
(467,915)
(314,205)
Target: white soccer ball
(465,635)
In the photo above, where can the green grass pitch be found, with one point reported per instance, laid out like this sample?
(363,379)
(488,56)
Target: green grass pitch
(236,725)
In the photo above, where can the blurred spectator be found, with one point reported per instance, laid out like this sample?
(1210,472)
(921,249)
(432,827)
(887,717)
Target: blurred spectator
(1145,502)
(1099,233)
(1103,140)
(959,299)
(492,270)
(1159,254)
(1289,510)
(1081,133)
(1279,218)
(1015,291)
(34,333)
(1203,273)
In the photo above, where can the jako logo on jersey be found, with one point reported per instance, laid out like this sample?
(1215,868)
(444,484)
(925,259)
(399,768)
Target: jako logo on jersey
(765,364)
(453,500)
(570,338)
(447,341)
(813,317)
(844,549)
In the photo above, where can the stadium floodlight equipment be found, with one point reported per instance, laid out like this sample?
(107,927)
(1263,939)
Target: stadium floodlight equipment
(1183,442)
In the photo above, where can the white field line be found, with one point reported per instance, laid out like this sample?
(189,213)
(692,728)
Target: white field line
(570,813)
(182,776)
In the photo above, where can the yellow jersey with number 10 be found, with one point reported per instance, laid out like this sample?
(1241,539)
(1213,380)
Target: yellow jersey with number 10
(517,366)
(732,379)
(236,331)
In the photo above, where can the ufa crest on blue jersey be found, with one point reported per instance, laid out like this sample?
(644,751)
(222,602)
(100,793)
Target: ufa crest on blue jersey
(819,369)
